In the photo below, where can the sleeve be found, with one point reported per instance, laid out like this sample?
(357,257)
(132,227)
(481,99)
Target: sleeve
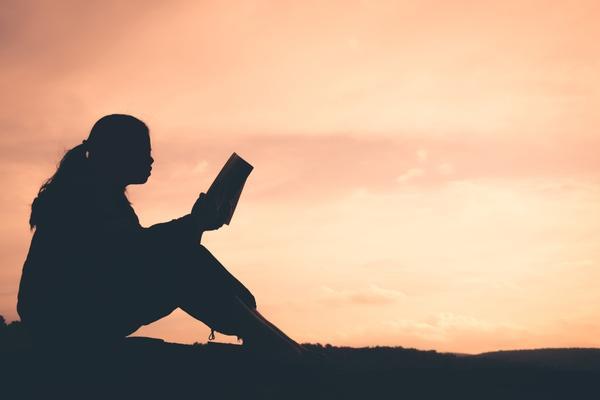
(182,230)
(124,237)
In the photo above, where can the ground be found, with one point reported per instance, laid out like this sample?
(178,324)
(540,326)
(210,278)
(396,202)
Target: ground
(151,368)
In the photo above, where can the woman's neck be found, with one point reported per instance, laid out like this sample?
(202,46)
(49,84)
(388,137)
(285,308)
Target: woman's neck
(106,183)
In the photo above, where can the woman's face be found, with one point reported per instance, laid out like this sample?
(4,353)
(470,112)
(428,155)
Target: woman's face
(138,162)
(128,164)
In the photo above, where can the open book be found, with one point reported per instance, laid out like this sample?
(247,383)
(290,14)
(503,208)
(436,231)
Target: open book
(227,186)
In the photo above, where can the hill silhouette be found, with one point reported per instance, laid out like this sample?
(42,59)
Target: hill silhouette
(151,368)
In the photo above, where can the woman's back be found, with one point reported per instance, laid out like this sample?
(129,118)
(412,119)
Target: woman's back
(71,262)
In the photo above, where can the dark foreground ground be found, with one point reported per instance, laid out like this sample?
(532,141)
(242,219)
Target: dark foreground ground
(143,368)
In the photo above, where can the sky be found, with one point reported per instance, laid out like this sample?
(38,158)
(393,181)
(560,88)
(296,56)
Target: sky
(425,172)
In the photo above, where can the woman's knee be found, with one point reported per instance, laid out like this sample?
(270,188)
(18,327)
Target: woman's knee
(197,252)
(204,268)
(187,259)
(204,252)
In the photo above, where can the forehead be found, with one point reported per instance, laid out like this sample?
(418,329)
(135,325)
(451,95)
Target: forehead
(138,140)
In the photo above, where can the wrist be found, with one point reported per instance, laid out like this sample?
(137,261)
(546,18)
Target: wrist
(198,222)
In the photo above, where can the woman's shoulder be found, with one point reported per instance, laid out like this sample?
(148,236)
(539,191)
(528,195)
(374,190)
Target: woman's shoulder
(89,206)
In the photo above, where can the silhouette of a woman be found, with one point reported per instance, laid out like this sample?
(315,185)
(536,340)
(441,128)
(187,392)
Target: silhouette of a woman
(94,273)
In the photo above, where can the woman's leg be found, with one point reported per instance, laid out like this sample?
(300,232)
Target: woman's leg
(209,293)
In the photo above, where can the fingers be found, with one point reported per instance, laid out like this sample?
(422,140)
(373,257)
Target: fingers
(209,212)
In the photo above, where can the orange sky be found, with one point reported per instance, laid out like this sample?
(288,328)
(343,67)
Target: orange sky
(426,173)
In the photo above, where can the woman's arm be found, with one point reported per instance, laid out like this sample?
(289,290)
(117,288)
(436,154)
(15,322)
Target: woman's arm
(182,229)
(188,229)
(203,217)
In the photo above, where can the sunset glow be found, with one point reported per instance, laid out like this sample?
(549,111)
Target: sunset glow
(425,173)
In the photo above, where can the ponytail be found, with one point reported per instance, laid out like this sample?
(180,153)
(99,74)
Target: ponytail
(72,171)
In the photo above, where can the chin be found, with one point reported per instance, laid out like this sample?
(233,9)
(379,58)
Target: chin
(140,176)
(140,180)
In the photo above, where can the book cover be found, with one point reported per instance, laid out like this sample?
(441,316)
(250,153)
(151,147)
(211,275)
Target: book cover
(227,187)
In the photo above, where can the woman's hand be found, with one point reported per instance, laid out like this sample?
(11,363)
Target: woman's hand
(206,213)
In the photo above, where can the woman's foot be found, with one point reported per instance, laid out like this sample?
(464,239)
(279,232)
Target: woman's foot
(270,342)
(291,342)
(262,337)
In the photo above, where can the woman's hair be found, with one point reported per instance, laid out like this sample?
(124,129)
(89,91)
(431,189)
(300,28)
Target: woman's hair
(73,171)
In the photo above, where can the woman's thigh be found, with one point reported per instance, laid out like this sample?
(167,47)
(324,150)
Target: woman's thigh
(205,273)
(187,275)
(145,293)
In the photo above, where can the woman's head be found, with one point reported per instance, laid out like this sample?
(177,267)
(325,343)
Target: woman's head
(118,149)
(116,153)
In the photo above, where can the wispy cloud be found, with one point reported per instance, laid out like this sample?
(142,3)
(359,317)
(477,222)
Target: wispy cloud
(369,295)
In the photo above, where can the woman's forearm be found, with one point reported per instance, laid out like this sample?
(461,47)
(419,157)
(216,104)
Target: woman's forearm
(179,229)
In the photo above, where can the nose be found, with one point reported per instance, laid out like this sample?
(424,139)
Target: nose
(151,160)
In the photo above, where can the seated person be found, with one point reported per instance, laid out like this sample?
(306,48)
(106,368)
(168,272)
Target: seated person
(93,271)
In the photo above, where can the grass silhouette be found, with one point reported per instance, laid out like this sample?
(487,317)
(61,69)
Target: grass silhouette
(151,368)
